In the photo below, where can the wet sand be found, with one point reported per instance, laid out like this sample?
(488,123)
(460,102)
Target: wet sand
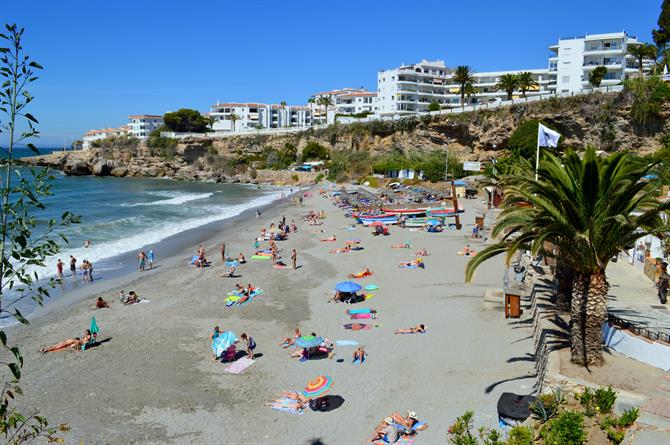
(153,381)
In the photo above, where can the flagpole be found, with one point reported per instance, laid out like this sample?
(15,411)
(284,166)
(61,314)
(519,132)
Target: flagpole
(537,158)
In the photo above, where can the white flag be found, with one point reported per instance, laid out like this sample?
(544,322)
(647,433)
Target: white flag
(547,137)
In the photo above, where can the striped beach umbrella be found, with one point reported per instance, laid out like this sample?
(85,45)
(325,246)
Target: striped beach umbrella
(318,386)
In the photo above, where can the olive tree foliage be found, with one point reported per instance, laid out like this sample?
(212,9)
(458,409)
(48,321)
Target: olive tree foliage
(24,247)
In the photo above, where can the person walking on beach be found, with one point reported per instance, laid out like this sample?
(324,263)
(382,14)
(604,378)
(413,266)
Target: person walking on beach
(223,252)
(258,214)
(151,258)
(89,267)
(294,259)
(73,267)
(59,268)
(213,336)
(84,272)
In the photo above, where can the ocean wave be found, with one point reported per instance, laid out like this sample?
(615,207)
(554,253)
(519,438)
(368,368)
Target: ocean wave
(107,249)
(174,198)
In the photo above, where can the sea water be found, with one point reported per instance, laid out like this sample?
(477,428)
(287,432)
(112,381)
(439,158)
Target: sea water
(121,215)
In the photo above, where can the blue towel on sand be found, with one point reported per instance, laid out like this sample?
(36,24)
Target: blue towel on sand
(359,311)
(346,342)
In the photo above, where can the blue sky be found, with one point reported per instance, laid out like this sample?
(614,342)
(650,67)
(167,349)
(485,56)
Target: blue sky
(105,60)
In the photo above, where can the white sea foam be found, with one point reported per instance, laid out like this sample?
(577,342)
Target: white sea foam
(174,198)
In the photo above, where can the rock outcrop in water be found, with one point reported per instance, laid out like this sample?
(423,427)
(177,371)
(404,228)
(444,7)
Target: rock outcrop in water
(601,120)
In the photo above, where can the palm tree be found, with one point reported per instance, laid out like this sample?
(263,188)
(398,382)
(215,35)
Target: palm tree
(233,118)
(311,103)
(642,52)
(597,75)
(526,82)
(326,101)
(508,83)
(462,76)
(469,90)
(283,104)
(589,209)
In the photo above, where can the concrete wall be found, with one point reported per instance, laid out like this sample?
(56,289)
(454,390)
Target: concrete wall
(287,177)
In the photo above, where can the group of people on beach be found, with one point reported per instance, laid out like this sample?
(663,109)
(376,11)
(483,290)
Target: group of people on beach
(86,269)
(145,259)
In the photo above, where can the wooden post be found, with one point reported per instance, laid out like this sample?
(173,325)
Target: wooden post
(454,200)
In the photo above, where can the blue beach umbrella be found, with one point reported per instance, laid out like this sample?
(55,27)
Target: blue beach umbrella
(348,287)
(223,342)
(433,222)
(308,341)
(94,327)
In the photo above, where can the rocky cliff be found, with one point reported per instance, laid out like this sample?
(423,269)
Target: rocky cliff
(601,120)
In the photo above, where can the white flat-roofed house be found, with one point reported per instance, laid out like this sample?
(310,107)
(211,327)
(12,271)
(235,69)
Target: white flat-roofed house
(104,133)
(319,111)
(141,125)
(356,102)
(573,60)
(255,116)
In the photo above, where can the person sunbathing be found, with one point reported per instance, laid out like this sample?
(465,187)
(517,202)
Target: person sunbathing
(74,343)
(133,298)
(241,258)
(345,249)
(401,246)
(288,341)
(364,273)
(422,252)
(385,431)
(240,290)
(411,424)
(230,273)
(336,298)
(300,352)
(100,304)
(467,251)
(416,263)
(329,239)
(418,329)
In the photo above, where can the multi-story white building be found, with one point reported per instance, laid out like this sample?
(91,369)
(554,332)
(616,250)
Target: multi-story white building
(97,135)
(141,125)
(573,60)
(356,102)
(412,88)
(253,116)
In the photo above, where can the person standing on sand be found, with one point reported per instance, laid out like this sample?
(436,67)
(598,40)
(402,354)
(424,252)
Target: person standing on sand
(223,252)
(89,267)
(73,267)
(141,258)
(213,336)
(251,344)
(59,268)
(151,258)
(294,259)
(258,214)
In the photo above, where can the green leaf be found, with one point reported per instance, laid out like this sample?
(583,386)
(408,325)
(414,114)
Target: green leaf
(20,317)
(31,118)
(33,148)
(16,370)
(36,65)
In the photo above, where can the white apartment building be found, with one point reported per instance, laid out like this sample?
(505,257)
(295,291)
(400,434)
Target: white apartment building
(253,116)
(97,135)
(412,88)
(573,59)
(141,125)
(356,102)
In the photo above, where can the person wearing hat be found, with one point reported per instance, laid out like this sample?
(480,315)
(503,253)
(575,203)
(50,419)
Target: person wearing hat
(386,431)
(411,423)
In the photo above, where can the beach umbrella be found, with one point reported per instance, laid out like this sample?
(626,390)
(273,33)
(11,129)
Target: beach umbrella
(94,327)
(318,386)
(308,341)
(433,222)
(348,287)
(223,342)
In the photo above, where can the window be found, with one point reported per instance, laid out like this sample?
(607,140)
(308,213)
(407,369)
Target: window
(565,79)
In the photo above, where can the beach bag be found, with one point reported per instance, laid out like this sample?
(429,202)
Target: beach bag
(319,404)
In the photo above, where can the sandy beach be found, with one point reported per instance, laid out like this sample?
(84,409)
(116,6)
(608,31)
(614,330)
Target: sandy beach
(153,382)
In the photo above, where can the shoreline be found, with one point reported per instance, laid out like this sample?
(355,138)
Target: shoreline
(170,251)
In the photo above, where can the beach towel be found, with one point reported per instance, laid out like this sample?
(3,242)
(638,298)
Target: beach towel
(361,316)
(359,362)
(194,259)
(260,257)
(239,366)
(299,412)
(408,266)
(346,343)
(359,311)
(371,287)
(357,326)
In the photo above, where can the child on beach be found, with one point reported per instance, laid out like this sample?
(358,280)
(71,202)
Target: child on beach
(213,336)
(100,304)
(250,343)
(359,355)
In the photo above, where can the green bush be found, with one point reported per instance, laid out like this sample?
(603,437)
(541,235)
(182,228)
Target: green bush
(566,429)
(434,106)
(649,95)
(616,436)
(186,120)
(319,178)
(314,151)
(604,399)
(520,435)
(588,401)
(628,417)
